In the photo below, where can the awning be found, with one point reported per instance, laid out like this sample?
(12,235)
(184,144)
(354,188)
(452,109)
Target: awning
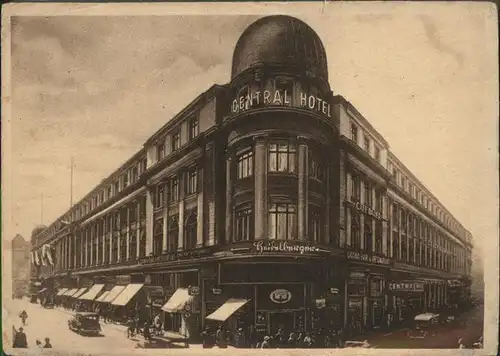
(62,291)
(227,309)
(92,293)
(70,292)
(177,301)
(79,292)
(102,296)
(113,293)
(127,294)
(42,290)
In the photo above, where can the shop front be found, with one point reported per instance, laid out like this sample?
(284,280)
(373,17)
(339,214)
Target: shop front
(407,299)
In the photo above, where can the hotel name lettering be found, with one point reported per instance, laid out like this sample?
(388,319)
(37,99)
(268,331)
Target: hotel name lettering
(353,255)
(280,98)
(406,286)
(174,256)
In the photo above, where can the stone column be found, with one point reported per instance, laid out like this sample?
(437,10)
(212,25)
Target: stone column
(303,174)
(165,218)
(149,222)
(200,205)
(228,234)
(127,233)
(261,206)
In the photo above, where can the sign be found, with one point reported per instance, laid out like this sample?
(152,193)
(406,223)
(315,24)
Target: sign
(406,286)
(283,246)
(174,256)
(367,210)
(334,291)
(357,275)
(353,255)
(216,291)
(280,296)
(194,290)
(355,303)
(280,98)
(454,283)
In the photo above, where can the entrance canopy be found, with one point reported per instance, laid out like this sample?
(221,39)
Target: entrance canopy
(128,293)
(62,291)
(103,296)
(113,293)
(79,292)
(227,309)
(92,293)
(177,301)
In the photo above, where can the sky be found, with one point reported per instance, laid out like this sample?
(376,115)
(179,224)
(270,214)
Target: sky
(96,87)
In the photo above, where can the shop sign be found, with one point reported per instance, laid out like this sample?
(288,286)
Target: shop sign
(194,290)
(280,296)
(454,283)
(283,246)
(174,256)
(355,303)
(334,291)
(357,275)
(367,210)
(216,291)
(353,255)
(406,286)
(280,98)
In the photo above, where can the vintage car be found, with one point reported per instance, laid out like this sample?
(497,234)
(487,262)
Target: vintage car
(85,323)
(424,325)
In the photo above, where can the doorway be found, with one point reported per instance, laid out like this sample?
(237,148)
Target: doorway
(281,320)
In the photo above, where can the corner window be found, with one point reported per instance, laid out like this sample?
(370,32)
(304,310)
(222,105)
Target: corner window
(244,223)
(282,222)
(315,170)
(194,127)
(314,224)
(245,164)
(282,157)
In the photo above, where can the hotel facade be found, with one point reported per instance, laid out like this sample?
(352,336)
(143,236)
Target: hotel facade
(268,201)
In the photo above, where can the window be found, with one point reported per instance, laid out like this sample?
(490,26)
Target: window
(354,133)
(173,233)
(314,224)
(174,189)
(192,182)
(395,245)
(314,170)
(378,201)
(116,187)
(110,192)
(282,221)
(158,236)
(159,196)
(134,174)
(160,150)
(355,229)
(244,223)
(377,153)
(368,234)
(366,144)
(376,287)
(368,193)
(282,157)
(245,164)
(356,187)
(176,140)
(194,127)
(190,231)
(143,165)
(125,180)
(101,196)
(403,182)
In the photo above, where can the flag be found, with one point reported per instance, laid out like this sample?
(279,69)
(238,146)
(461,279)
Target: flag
(48,252)
(37,258)
(43,258)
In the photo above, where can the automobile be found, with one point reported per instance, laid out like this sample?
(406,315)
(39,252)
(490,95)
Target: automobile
(85,323)
(424,325)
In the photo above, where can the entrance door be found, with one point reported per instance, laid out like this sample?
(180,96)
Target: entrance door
(281,320)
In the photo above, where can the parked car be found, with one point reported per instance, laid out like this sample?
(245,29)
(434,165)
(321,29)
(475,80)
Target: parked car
(85,323)
(424,325)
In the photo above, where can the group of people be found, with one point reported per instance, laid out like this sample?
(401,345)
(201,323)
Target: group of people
(20,340)
(135,326)
(332,338)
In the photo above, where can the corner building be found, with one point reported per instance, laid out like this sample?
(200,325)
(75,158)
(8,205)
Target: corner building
(267,201)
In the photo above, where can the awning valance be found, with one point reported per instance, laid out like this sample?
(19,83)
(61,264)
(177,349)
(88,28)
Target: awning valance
(177,301)
(127,294)
(92,293)
(113,293)
(80,292)
(227,309)
(62,291)
(102,296)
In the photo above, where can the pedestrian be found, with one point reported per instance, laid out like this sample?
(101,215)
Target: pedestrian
(47,344)
(308,341)
(221,338)
(292,341)
(23,315)
(266,344)
(38,344)
(207,338)
(279,338)
(461,345)
(146,332)
(240,339)
(158,324)
(20,340)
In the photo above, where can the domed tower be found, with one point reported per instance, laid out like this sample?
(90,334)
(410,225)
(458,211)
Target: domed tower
(281,135)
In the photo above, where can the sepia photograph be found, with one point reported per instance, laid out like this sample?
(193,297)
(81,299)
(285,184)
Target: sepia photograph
(184,177)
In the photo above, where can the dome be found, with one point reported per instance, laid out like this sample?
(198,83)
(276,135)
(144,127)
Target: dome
(37,230)
(280,39)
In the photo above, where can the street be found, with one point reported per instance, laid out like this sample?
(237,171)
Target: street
(447,335)
(53,323)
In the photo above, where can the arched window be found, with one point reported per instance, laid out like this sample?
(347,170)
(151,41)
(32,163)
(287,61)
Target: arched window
(190,230)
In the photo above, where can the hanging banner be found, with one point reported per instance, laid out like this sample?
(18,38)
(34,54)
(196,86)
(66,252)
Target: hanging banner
(32,258)
(48,252)
(37,258)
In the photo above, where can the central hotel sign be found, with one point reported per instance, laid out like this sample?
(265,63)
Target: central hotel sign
(280,98)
